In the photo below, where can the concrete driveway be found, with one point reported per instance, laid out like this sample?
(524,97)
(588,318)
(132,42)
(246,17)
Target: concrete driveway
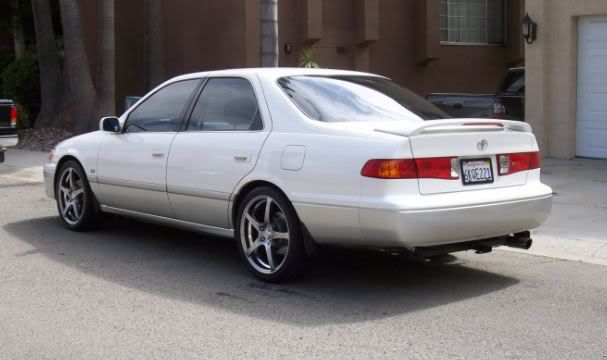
(577,227)
(130,290)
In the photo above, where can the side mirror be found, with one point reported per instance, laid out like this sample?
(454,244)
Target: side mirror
(110,124)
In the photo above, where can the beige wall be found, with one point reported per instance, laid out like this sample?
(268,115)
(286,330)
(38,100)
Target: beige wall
(551,72)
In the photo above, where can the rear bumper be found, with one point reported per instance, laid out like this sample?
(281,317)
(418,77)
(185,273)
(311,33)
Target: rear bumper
(411,228)
(7,141)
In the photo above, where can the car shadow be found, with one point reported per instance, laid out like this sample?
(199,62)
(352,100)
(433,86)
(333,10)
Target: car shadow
(338,286)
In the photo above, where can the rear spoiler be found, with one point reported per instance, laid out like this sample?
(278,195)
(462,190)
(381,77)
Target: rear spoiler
(457,125)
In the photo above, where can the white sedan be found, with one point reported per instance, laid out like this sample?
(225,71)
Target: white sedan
(284,160)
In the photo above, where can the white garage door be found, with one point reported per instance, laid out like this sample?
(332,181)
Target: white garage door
(592,87)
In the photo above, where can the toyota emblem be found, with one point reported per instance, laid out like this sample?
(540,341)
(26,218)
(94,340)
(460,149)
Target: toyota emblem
(482,145)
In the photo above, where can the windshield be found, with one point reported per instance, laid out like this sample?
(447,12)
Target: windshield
(357,99)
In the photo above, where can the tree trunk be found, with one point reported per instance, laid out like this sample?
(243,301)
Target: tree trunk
(80,82)
(269,33)
(17,30)
(154,45)
(52,89)
(106,88)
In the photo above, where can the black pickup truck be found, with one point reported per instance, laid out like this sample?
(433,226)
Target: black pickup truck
(8,123)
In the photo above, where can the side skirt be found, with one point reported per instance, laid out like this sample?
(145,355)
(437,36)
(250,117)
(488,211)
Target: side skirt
(203,229)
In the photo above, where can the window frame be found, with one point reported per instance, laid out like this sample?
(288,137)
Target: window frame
(149,95)
(198,94)
(504,43)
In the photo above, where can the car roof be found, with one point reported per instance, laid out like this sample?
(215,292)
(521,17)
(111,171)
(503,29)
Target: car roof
(273,72)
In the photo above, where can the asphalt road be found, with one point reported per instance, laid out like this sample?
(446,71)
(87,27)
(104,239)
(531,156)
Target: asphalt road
(138,291)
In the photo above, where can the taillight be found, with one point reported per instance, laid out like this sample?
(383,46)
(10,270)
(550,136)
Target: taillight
(13,116)
(390,169)
(437,168)
(517,162)
(427,168)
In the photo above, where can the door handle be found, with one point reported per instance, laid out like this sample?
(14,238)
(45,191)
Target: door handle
(157,155)
(242,156)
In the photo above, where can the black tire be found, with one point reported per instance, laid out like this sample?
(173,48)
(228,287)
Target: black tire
(85,204)
(293,259)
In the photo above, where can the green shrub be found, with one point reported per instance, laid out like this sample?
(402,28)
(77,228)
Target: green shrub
(23,117)
(21,83)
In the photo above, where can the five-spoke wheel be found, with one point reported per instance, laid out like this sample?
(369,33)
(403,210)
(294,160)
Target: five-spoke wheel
(269,236)
(74,197)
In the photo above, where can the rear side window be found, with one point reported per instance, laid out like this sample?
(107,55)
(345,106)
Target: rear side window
(162,111)
(226,104)
(514,83)
(357,99)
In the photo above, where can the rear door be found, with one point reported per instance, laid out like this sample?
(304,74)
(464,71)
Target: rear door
(218,147)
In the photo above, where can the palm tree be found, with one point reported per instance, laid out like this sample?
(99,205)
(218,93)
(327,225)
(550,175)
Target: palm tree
(17,30)
(88,102)
(154,46)
(106,87)
(52,89)
(269,33)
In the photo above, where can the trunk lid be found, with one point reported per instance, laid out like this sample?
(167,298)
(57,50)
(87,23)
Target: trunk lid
(474,144)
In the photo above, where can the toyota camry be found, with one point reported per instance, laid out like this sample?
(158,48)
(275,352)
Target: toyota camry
(284,160)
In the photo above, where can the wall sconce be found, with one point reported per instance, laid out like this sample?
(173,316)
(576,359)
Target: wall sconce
(529,29)
(288,48)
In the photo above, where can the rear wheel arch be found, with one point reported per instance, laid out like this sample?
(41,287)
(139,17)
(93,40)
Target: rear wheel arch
(247,188)
(309,243)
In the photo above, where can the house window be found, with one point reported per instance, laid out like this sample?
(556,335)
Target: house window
(472,21)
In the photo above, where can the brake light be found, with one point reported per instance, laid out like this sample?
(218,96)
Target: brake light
(427,168)
(437,168)
(517,162)
(13,116)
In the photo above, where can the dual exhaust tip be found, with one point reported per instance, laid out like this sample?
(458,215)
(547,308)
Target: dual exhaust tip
(520,240)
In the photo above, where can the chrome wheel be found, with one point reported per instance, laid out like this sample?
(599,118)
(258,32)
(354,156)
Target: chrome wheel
(70,196)
(264,233)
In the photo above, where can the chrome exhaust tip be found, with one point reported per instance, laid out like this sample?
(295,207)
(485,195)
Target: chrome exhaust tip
(520,240)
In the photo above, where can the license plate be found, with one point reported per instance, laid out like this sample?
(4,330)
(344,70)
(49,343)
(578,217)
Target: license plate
(477,171)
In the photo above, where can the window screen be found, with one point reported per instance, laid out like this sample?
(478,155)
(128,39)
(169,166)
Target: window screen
(472,21)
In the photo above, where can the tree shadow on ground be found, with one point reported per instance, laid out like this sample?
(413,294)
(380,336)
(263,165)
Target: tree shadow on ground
(338,287)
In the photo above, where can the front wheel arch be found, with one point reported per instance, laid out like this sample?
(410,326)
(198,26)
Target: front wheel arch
(60,163)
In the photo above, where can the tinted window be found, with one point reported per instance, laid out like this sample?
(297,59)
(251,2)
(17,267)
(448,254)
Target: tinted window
(357,98)
(162,111)
(226,104)
(514,83)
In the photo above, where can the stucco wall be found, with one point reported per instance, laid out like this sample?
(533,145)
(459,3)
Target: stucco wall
(551,72)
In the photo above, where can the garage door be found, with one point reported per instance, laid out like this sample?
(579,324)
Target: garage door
(592,87)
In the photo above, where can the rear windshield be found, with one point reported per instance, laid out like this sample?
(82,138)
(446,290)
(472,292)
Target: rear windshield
(357,99)
(514,83)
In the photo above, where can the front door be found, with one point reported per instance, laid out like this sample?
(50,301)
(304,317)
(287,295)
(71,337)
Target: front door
(219,147)
(132,164)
